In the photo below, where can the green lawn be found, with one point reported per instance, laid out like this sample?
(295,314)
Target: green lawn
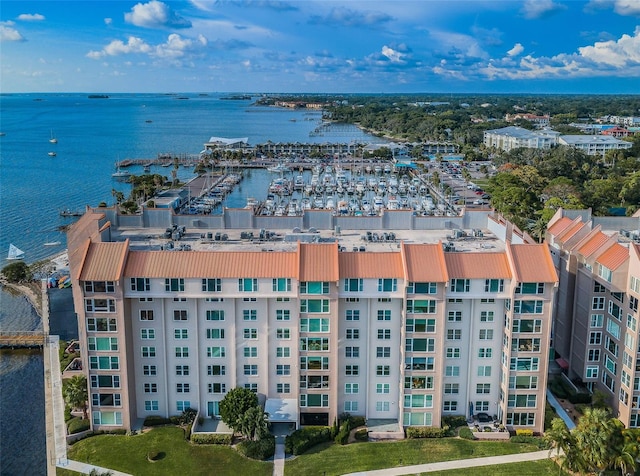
(128,454)
(330,459)
(526,468)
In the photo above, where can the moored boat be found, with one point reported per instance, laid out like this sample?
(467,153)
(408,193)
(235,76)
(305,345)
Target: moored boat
(15,253)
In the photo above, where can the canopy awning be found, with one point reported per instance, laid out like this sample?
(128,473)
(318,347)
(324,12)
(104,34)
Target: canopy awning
(282,409)
(562,363)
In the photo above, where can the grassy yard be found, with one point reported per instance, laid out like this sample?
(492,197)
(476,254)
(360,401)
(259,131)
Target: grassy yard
(330,459)
(129,454)
(526,468)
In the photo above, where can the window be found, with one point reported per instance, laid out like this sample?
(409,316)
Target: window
(454,334)
(147,334)
(314,305)
(422,288)
(383,370)
(420,345)
(249,315)
(631,323)
(596,320)
(179,315)
(182,405)
(350,351)
(523,382)
(595,338)
(182,387)
(483,388)
(215,333)
(450,406)
(350,388)
(314,381)
(615,310)
(215,315)
(418,401)
(216,352)
(599,288)
(182,370)
(384,314)
(459,285)
(251,333)
(174,284)
(180,333)
(99,286)
(486,334)
(352,315)
(151,405)
(383,388)
(353,334)
(610,365)
(104,363)
(211,285)
(283,352)
(148,351)
(383,352)
(352,370)
(105,381)
(613,328)
(527,325)
(314,344)
(248,285)
(101,324)
(350,406)
(420,325)
(216,370)
(283,315)
(216,387)
(452,371)
(453,352)
(524,364)
(353,285)
(382,406)
(149,370)
(251,370)
(104,344)
(384,334)
(482,406)
(418,382)
(253,387)
(525,345)
(314,400)
(314,363)
(633,303)
(387,285)
(597,303)
(593,355)
(530,288)
(605,273)
(486,316)
(107,418)
(100,305)
(494,285)
(454,316)
(484,371)
(521,419)
(421,306)
(283,388)
(527,307)
(485,353)
(419,363)
(352,299)
(314,325)
(525,401)
(281,285)
(314,287)
(146,314)
(250,352)
(182,351)
(283,369)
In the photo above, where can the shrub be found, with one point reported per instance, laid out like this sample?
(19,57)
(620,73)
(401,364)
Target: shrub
(76,425)
(426,432)
(466,433)
(534,440)
(301,440)
(362,435)
(581,407)
(342,438)
(454,421)
(154,455)
(211,439)
(67,413)
(262,449)
(156,420)
(524,432)
(357,421)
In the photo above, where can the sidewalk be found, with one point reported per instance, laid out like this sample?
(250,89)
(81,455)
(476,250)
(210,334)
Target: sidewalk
(86,468)
(456,464)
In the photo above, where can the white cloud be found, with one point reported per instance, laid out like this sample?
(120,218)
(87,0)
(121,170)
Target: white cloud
(108,21)
(31,17)
(118,47)
(619,54)
(177,46)
(8,33)
(534,9)
(155,14)
(516,50)
(394,56)
(627,7)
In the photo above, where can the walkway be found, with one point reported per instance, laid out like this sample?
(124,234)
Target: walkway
(86,468)
(560,411)
(457,464)
(278,459)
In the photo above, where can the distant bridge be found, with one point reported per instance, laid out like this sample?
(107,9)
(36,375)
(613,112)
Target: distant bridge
(22,339)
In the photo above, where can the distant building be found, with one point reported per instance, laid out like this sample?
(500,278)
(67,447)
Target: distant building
(539,121)
(512,137)
(617,132)
(594,145)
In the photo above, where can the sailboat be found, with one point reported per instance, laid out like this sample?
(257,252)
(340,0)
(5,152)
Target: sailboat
(15,252)
(53,139)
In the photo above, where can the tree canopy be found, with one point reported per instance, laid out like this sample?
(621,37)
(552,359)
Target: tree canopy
(235,404)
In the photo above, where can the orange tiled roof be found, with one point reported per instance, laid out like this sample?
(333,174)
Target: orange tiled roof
(318,262)
(425,263)
(569,231)
(370,265)
(560,225)
(211,264)
(613,257)
(104,261)
(477,265)
(593,244)
(532,263)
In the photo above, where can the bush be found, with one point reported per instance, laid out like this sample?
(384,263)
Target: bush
(454,421)
(76,425)
(534,440)
(581,407)
(362,435)
(357,421)
(156,420)
(301,440)
(426,432)
(523,432)
(466,433)
(67,413)
(211,439)
(262,449)
(580,398)
(342,438)
(154,456)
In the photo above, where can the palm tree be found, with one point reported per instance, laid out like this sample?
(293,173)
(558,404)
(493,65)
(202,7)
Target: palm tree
(76,394)
(559,438)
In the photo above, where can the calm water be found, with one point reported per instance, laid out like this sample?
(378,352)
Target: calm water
(92,135)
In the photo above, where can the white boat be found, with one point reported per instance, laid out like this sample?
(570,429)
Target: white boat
(15,252)
(119,173)
(52,243)
(51,154)
(53,139)
(278,168)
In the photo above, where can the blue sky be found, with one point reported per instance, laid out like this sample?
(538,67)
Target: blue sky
(391,46)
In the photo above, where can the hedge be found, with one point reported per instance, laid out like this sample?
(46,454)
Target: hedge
(211,439)
(76,425)
(454,421)
(466,433)
(426,432)
(301,440)
(156,420)
(262,449)
(523,432)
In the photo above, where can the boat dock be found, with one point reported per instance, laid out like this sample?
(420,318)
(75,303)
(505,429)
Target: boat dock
(22,339)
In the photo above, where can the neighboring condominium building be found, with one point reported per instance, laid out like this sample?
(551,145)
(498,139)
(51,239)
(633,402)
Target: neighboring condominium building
(596,319)
(404,332)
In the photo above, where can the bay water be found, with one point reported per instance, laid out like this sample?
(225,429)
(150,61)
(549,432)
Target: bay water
(92,135)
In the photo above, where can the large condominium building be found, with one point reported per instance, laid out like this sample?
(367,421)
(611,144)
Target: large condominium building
(594,145)
(403,332)
(512,137)
(596,320)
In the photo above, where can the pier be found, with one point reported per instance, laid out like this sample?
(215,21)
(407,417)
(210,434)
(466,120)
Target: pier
(22,339)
